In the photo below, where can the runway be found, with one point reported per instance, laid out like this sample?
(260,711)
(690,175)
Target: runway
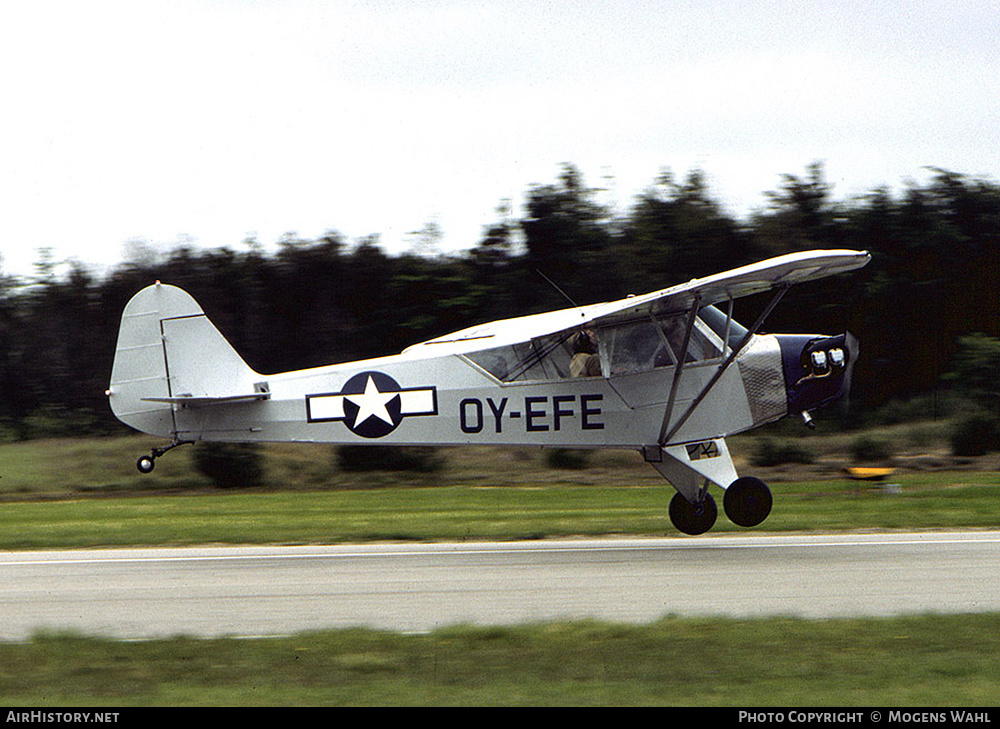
(276,590)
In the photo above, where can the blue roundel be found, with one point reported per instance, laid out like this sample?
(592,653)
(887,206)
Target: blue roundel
(372,404)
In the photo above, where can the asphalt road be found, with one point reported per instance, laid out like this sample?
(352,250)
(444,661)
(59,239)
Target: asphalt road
(274,590)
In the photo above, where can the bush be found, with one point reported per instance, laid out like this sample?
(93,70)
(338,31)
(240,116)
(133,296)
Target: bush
(976,373)
(569,459)
(867,449)
(771,452)
(975,435)
(230,465)
(415,459)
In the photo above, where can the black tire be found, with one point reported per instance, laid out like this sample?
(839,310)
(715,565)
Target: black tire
(145,464)
(747,501)
(693,519)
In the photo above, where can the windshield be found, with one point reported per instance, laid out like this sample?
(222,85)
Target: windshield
(716,320)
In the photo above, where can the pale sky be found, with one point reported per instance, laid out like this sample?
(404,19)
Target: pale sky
(212,120)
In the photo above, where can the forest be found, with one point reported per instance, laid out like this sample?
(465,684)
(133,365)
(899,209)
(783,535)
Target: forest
(926,308)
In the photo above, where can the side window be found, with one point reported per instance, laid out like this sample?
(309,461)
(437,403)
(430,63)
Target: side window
(499,362)
(636,347)
(704,343)
(647,344)
(543,358)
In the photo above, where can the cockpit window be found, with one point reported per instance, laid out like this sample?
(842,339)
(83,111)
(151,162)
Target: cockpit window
(637,346)
(543,358)
(648,344)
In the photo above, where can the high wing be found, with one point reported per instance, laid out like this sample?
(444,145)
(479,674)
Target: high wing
(753,279)
(766,275)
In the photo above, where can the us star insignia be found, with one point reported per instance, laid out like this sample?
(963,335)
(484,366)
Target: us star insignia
(371,404)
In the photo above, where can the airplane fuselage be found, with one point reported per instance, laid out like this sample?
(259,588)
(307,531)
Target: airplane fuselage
(450,400)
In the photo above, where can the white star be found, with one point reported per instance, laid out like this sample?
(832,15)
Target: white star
(372,403)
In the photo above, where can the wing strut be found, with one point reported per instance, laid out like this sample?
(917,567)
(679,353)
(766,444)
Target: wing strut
(664,439)
(680,366)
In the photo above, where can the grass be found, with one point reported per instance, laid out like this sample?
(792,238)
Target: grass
(464,513)
(96,466)
(82,493)
(912,661)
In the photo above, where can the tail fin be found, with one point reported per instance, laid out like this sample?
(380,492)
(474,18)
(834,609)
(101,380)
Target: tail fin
(169,353)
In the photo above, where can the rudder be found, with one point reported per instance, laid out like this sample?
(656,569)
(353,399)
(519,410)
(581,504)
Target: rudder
(168,349)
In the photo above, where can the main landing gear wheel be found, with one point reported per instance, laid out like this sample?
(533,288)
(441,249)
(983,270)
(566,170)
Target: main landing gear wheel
(691,518)
(747,501)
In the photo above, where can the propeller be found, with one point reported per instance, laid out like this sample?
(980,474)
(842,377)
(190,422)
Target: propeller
(853,346)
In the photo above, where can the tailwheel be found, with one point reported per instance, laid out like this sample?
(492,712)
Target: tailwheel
(691,518)
(146,464)
(747,501)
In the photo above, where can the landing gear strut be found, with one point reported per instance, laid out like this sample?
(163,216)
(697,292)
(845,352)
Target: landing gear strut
(146,464)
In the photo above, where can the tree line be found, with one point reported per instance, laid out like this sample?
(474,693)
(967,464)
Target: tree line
(934,280)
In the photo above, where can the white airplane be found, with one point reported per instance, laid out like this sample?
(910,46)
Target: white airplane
(669,374)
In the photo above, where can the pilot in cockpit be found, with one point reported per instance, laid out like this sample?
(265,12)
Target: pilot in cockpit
(586,362)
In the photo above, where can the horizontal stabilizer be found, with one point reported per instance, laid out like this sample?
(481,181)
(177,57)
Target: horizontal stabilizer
(197,402)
